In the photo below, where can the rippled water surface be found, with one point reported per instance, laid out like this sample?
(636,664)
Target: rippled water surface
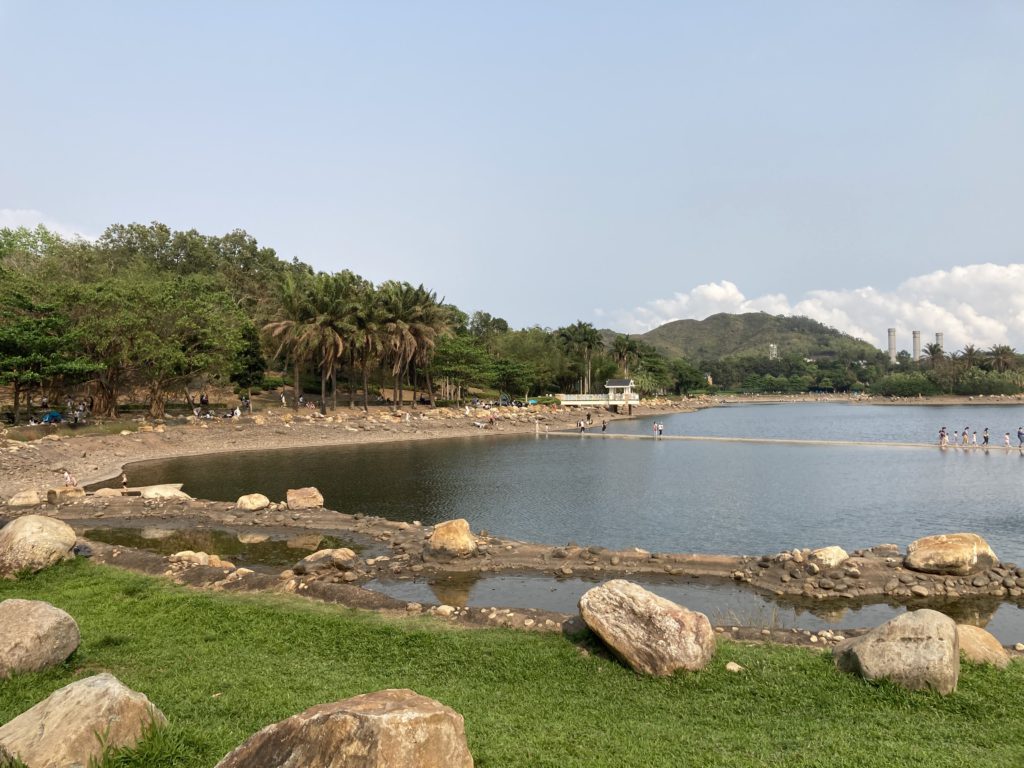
(669,495)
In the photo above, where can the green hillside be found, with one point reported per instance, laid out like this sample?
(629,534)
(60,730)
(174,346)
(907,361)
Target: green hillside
(748,335)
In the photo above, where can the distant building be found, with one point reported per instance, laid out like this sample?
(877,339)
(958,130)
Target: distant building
(773,351)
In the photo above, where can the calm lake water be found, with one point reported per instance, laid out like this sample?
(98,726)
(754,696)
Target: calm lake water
(673,495)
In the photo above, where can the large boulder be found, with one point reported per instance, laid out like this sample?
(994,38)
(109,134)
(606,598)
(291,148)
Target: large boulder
(386,729)
(34,542)
(829,557)
(305,498)
(164,492)
(75,724)
(917,650)
(64,494)
(980,646)
(34,636)
(453,537)
(958,554)
(251,502)
(652,635)
(343,559)
(29,498)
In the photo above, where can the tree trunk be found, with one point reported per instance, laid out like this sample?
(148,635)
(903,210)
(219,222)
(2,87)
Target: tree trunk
(334,388)
(17,401)
(351,379)
(366,381)
(430,388)
(295,366)
(323,391)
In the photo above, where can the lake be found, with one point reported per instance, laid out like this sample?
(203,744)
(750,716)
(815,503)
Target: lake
(669,495)
(673,495)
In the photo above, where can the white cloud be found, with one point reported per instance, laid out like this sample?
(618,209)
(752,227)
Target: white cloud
(980,304)
(27,217)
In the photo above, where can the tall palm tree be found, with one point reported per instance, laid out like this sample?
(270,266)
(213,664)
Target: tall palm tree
(294,329)
(582,339)
(367,335)
(399,303)
(434,320)
(970,355)
(626,352)
(331,307)
(1002,357)
(934,354)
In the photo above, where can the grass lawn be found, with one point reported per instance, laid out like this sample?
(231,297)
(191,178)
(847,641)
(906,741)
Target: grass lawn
(221,667)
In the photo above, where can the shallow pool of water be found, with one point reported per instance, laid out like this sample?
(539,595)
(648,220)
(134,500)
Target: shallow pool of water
(723,603)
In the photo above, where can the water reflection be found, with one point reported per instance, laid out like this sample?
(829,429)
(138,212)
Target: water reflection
(242,549)
(724,603)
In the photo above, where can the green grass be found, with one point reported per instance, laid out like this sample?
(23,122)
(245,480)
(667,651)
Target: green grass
(221,667)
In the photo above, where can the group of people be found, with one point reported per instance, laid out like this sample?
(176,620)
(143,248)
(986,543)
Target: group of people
(582,424)
(659,428)
(969,439)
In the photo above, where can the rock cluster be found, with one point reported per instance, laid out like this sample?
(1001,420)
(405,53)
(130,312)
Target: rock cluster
(188,557)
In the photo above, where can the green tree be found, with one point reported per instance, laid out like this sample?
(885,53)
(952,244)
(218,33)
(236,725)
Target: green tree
(188,329)
(37,341)
(249,366)
(294,327)
(582,339)
(1001,357)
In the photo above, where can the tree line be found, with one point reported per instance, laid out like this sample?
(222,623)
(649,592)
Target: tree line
(146,312)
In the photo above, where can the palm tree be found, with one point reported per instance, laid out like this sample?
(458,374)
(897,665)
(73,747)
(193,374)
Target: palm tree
(331,304)
(970,355)
(367,334)
(626,352)
(294,328)
(1002,357)
(581,338)
(934,353)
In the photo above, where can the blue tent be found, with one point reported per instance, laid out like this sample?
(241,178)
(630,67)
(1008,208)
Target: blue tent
(53,417)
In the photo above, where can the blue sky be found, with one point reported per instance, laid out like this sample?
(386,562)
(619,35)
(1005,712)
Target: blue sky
(622,164)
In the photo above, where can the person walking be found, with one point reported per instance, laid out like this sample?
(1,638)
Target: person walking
(974,439)
(1006,440)
(984,437)
(1020,437)
(604,425)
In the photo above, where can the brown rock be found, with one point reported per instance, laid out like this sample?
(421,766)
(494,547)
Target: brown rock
(34,636)
(829,557)
(386,729)
(251,502)
(649,633)
(161,492)
(305,498)
(107,493)
(955,553)
(34,542)
(64,494)
(65,729)
(981,647)
(453,537)
(343,559)
(29,498)
(916,650)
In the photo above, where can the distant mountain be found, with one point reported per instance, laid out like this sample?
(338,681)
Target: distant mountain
(748,335)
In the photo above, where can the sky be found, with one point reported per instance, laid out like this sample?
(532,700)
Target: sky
(623,164)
